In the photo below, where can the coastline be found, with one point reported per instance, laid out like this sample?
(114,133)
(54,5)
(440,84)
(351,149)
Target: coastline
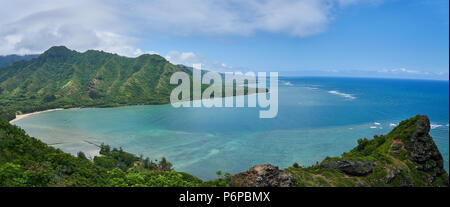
(91,149)
(21,116)
(90,153)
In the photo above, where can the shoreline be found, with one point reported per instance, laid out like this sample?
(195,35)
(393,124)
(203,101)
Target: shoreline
(94,151)
(21,116)
(90,153)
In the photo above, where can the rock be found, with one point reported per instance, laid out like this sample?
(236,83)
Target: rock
(354,168)
(263,176)
(397,146)
(423,150)
(391,175)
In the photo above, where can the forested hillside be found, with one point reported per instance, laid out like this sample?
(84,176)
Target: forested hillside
(63,78)
(10,59)
(26,161)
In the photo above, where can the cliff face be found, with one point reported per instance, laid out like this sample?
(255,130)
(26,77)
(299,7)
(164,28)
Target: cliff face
(424,152)
(407,156)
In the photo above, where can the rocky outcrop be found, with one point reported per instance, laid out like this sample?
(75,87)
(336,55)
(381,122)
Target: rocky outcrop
(405,157)
(263,176)
(353,168)
(423,150)
(397,146)
(392,173)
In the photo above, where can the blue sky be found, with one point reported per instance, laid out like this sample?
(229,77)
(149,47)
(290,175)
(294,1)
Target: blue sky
(364,38)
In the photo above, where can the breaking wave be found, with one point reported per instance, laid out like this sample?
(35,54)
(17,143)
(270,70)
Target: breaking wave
(345,95)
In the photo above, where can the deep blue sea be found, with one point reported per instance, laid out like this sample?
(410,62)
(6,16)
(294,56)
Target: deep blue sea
(317,117)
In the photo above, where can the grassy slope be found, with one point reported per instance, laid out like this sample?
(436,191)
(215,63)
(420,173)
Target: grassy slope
(380,150)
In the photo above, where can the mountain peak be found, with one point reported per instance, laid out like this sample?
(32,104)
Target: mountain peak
(152,56)
(58,48)
(58,51)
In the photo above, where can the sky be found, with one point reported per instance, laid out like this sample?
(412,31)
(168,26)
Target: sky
(351,38)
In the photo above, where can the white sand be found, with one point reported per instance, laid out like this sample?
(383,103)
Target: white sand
(90,149)
(21,116)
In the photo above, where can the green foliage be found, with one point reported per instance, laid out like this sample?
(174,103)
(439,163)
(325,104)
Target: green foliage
(38,164)
(124,160)
(12,175)
(377,150)
(6,115)
(366,147)
(26,161)
(164,164)
(223,180)
(82,156)
(105,162)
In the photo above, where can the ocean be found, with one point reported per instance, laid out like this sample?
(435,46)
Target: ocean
(318,117)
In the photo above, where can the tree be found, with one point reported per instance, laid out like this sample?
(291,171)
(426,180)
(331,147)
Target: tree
(12,175)
(82,156)
(164,164)
(219,174)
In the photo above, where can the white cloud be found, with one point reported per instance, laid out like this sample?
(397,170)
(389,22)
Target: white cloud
(402,73)
(34,26)
(236,17)
(185,58)
(190,58)
(408,73)
(402,70)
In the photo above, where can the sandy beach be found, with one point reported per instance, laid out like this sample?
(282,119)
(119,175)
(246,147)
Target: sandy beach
(90,149)
(21,116)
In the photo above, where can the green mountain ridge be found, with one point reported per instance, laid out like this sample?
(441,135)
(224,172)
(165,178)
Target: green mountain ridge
(10,59)
(64,78)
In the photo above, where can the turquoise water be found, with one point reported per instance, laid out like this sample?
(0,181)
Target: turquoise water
(317,117)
